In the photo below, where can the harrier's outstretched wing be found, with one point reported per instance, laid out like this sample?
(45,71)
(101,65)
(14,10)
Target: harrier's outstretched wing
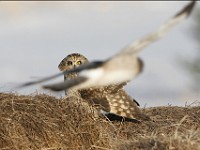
(103,73)
(139,45)
(125,62)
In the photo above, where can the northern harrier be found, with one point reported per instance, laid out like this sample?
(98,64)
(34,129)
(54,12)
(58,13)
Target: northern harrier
(122,67)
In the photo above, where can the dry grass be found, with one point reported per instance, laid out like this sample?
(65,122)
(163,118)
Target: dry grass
(47,123)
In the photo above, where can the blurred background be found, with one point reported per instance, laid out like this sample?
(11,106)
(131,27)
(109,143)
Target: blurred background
(36,36)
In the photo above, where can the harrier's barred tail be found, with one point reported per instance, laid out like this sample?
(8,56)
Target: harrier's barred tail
(139,45)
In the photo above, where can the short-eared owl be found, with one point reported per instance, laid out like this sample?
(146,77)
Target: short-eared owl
(111,99)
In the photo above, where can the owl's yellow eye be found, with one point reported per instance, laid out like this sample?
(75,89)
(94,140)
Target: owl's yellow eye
(78,62)
(69,63)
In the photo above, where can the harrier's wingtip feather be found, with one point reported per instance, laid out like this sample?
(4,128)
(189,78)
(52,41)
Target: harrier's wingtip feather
(187,9)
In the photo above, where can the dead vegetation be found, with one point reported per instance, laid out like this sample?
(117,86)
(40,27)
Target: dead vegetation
(46,123)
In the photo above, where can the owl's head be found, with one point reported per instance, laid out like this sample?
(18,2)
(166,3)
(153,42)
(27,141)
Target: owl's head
(72,61)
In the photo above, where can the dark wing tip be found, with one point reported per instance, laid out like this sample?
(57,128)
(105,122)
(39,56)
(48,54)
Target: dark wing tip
(52,87)
(140,65)
(136,102)
(187,9)
(65,85)
(25,85)
(115,117)
(38,81)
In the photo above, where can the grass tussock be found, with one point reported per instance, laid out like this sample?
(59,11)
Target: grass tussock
(46,123)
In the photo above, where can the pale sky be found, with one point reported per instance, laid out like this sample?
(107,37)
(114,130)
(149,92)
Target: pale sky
(36,36)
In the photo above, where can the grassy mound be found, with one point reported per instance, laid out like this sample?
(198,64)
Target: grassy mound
(43,122)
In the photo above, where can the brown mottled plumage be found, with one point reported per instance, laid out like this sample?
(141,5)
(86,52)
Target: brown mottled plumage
(112,98)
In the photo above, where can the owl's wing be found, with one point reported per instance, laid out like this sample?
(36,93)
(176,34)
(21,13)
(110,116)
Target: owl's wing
(123,105)
(119,103)
(115,88)
(139,45)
